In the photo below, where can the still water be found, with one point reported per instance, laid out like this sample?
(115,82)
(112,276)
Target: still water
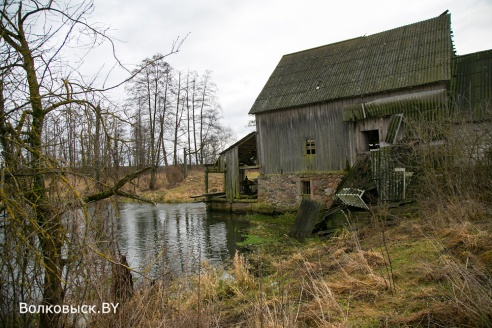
(174,239)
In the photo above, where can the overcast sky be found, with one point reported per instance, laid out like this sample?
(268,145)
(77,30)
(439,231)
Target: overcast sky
(242,41)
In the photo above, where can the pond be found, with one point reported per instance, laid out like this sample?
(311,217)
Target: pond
(175,239)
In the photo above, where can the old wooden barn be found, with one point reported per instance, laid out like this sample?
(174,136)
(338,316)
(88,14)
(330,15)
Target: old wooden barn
(325,108)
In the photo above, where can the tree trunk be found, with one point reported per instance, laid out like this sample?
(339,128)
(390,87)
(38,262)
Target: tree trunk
(177,121)
(201,118)
(97,146)
(153,177)
(51,230)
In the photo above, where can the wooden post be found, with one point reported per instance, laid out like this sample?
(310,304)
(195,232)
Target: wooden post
(206,180)
(306,218)
(185,169)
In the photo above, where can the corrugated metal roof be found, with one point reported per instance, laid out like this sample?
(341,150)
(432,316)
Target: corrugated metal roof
(471,86)
(408,103)
(407,56)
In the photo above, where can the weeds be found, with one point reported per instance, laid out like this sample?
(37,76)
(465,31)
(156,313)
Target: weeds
(429,265)
(345,281)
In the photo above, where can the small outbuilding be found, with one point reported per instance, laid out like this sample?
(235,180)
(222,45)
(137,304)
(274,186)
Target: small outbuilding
(240,192)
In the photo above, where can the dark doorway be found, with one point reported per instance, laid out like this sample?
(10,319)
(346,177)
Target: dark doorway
(370,140)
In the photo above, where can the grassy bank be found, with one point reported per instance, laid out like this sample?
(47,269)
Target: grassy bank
(172,185)
(181,190)
(403,267)
(425,264)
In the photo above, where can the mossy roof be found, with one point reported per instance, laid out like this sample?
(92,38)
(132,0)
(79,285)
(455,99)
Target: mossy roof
(471,86)
(408,56)
(409,104)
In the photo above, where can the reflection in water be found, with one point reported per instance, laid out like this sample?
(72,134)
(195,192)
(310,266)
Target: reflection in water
(175,238)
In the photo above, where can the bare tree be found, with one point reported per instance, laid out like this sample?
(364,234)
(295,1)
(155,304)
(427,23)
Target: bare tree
(209,115)
(178,116)
(149,90)
(216,142)
(36,85)
(189,91)
(202,114)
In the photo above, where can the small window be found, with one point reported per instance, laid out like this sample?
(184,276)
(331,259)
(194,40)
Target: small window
(306,187)
(310,147)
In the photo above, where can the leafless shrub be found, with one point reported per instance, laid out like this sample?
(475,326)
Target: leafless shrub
(174,175)
(452,158)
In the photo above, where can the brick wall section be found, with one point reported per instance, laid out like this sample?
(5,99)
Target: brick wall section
(282,192)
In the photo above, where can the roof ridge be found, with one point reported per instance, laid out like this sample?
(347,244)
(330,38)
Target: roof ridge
(478,53)
(370,35)
(407,56)
(326,45)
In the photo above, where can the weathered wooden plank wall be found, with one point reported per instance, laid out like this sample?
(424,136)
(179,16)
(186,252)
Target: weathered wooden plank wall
(282,139)
(282,134)
(232,174)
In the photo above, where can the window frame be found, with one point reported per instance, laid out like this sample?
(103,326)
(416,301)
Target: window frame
(305,187)
(309,146)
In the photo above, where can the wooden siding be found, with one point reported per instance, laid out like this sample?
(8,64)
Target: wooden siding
(282,139)
(231,174)
(282,134)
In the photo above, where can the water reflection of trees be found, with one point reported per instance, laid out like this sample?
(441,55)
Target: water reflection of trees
(176,238)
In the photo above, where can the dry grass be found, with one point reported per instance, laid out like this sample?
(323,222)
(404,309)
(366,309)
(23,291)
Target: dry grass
(415,266)
(178,191)
(440,280)
(424,265)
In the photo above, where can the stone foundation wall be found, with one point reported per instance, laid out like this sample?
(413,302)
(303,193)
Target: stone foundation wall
(283,192)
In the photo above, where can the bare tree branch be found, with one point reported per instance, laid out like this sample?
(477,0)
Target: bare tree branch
(115,190)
